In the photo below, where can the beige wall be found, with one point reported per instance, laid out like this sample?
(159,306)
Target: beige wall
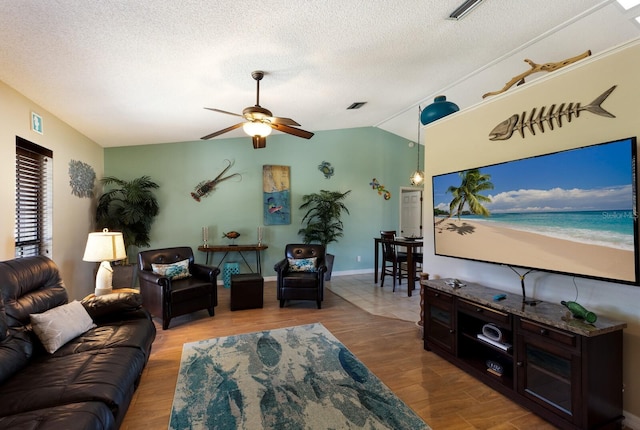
(72,218)
(461,141)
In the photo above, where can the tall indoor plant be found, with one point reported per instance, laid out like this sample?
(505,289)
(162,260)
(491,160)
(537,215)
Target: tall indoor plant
(322,220)
(129,207)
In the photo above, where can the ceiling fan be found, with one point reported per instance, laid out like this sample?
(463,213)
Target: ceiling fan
(260,121)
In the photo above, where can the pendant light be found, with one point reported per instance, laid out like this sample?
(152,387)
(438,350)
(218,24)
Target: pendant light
(417,177)
(433,112)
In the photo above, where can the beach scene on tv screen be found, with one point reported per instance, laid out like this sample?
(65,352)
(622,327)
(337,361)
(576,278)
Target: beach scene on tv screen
(570,212)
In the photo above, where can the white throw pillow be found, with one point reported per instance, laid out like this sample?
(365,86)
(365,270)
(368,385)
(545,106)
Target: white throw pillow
(59,325)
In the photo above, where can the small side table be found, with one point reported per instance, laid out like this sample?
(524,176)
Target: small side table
(228,271)
(211,249)
(247,290)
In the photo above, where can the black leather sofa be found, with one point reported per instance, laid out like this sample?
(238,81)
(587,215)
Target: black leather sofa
(88,383)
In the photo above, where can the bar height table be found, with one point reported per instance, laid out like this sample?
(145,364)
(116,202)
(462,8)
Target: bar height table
(411,245)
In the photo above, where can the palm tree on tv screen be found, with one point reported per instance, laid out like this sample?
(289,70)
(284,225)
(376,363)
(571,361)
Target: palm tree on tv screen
(472,184)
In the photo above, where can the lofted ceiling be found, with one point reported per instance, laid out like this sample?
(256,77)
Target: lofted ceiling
(140,72)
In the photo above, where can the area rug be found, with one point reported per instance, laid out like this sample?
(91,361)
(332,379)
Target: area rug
(298,377)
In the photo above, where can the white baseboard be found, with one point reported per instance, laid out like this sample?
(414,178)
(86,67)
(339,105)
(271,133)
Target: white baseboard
(631,421)
(351,272)
(333,274)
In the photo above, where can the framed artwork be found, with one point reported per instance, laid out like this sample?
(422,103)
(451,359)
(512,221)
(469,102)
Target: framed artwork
(276,195)
(82,179)
(36,122)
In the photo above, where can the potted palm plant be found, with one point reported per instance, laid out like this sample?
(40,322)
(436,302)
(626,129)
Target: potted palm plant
(129,207)
(322,220)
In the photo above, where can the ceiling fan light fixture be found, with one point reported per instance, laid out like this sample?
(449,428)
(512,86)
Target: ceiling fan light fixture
(257,128)
(259,122)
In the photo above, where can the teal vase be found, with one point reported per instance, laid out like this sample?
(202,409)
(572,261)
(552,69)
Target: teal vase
(438,109)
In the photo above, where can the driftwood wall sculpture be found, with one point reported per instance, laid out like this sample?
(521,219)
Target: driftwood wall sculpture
(535,68)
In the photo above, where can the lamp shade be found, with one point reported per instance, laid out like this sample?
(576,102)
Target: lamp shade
(438,109)
(256,128)
(105,246)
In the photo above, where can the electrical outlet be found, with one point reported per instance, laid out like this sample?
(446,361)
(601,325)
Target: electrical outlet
(358,259)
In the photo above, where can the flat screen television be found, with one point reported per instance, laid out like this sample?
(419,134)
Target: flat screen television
(572,212)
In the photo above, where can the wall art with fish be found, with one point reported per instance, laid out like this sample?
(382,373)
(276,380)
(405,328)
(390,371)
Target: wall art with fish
(276,194)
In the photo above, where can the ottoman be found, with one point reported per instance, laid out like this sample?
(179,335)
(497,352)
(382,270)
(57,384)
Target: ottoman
(246,291)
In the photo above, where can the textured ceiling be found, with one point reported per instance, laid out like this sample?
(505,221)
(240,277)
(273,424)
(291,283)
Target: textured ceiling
(139,72)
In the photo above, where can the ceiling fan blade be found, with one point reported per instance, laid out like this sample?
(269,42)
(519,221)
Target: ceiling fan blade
(259,142)
(285,121)
(219,132)
(294,131)
(224,111)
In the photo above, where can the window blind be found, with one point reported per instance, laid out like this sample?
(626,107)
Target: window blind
(34,186)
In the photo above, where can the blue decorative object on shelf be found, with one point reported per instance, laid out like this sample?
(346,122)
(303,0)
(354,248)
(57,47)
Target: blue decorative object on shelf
(438,109)
(229,269)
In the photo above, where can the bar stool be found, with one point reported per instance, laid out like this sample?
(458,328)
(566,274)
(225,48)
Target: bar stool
(391,255)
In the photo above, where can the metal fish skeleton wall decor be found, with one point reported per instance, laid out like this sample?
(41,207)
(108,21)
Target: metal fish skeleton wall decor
(505,129)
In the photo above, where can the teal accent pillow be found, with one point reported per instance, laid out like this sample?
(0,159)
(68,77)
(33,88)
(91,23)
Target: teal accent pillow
(174,271)
(303,264)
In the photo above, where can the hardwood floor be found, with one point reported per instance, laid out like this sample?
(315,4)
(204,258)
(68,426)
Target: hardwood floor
(390,346)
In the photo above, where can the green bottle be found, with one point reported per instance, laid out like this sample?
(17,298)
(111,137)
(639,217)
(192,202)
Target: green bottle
(579,311)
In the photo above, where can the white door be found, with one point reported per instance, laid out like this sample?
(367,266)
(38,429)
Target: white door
(410,212)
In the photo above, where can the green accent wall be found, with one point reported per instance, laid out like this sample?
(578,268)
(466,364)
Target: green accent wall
(358,155)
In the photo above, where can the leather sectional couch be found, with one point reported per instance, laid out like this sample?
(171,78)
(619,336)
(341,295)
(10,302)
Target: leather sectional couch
(89,381)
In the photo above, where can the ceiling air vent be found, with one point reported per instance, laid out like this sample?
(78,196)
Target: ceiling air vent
(464,9)
(356,105)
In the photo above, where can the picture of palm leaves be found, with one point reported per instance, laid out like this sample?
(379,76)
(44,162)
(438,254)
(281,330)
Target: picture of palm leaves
(473,182)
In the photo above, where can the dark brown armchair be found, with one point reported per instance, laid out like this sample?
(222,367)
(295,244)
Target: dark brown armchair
(165,297)
(301,273)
